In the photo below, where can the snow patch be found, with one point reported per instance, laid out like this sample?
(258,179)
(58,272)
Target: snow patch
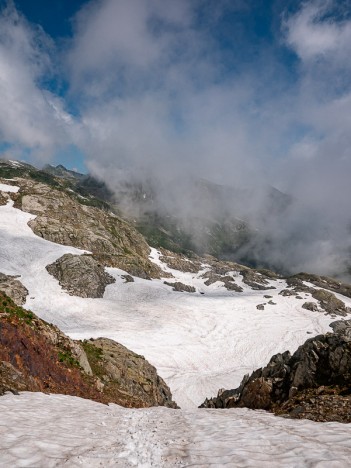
(57,430)
(8,188)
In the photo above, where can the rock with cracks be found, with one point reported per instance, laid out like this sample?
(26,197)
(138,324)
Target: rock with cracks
(312,383)
(81,275)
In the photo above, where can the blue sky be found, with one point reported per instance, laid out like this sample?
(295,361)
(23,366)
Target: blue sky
(240,92)
(231,90)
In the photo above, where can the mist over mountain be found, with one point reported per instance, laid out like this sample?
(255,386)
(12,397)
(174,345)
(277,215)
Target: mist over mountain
(258,226)
(162,95)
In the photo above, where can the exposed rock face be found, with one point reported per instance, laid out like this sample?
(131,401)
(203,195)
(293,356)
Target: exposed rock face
(36,356)
(180,287)
(67,220)
(180,262)
(287,292)
(128,278)
(13,288)
(255,280)
(312,306)
(228,281)
(326,283)
(126,376)
(330,303)
(81,275)
(3,199)
(311,383)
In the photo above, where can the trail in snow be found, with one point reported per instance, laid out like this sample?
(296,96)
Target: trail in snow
(56,430)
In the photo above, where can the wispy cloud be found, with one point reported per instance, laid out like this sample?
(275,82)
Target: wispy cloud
(158,94)
(32,118)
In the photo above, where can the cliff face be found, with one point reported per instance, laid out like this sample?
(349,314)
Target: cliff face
(312,383)
(36,356)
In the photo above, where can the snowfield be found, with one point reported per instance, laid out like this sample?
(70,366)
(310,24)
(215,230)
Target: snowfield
(199,343)
(37,430)
(8,188)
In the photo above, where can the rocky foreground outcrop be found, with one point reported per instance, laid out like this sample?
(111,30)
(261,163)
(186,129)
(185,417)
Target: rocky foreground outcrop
(37,356)
(126,376)
(313,383)
(81,275)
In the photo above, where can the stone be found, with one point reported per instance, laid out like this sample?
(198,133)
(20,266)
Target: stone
(312,383)
(312,306)
(180,287)
(13,288)
(128,278)
(126,376)
(81,275)
(330,303)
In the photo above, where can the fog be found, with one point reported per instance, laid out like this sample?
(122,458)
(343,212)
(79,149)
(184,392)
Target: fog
(155,98)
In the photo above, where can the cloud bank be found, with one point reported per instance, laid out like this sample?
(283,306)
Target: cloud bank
(158,95)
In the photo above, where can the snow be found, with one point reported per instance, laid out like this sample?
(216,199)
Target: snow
(198,343)
(15,163)
(49,431)
(8,188)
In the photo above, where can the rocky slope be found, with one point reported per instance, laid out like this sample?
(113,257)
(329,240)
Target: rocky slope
(63,217)
(36,356)
(313,383)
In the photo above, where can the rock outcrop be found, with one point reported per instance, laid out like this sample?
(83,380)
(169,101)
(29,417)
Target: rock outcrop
(67,218)
(313,383)
(327,301)
(229,282)
(180,262)
(37,356)
(180,287)
(13,288)
(324,282)
(126,376)
(330,303)
(3,199)
(256,280)
(81,275)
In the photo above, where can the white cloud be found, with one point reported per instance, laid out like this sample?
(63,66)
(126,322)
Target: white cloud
(315,35)
(31,117)
(155,98)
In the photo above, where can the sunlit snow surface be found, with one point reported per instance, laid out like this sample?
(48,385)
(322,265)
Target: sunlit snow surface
(48,431)
(198,343)
(8,188)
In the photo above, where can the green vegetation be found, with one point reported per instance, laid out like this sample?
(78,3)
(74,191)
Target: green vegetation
(67,358)
(9,172)
(171,239)
(95,356)
(44,177)
(7,306)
